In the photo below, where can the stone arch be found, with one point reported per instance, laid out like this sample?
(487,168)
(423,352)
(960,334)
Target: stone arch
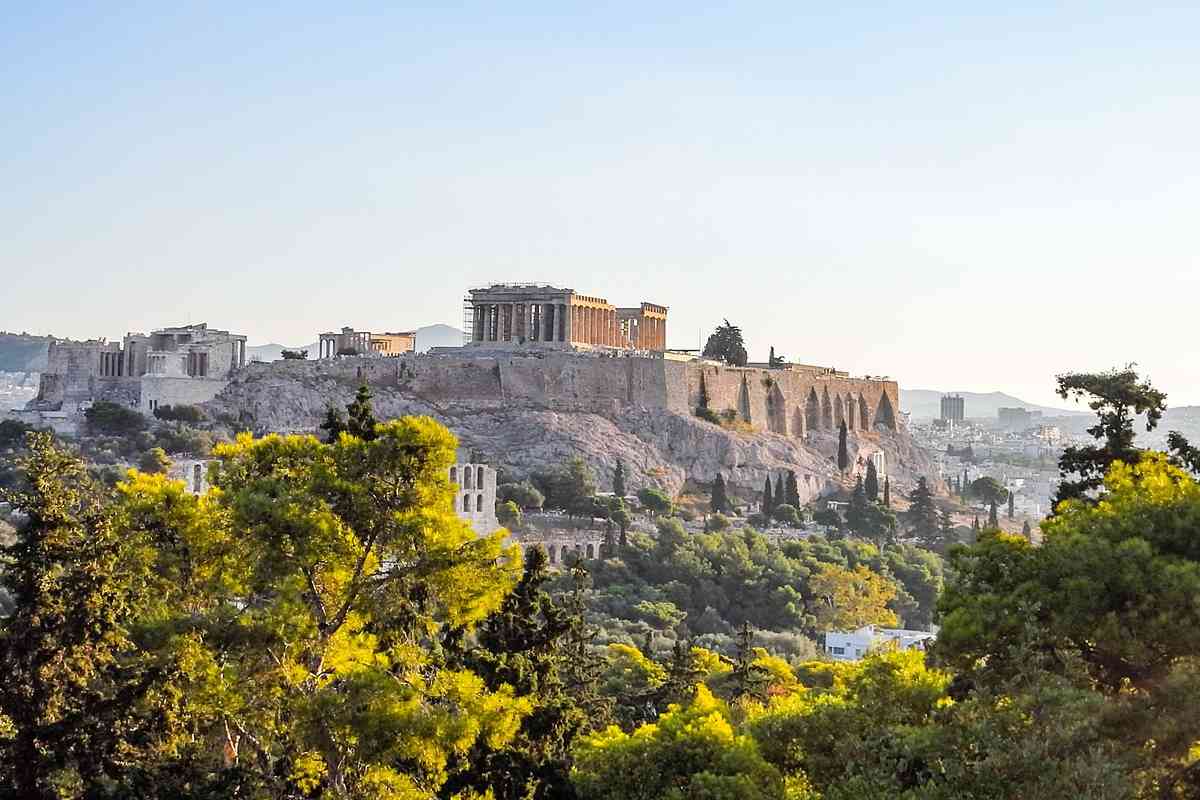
(466,505)
(468,475)
(864,413)
(839,411)
(797,423)
(591,550)
(826,410)
(812,411)
(479,502)
(454,474)
(885,416)
(776,411)
(550,554)
(744,400)
(479,477)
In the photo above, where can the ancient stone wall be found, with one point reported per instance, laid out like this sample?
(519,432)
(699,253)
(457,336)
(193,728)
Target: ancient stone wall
(167,390)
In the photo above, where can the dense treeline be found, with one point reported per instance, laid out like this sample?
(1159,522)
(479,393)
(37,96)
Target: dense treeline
(322,625)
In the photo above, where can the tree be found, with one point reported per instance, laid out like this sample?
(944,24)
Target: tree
(719,499)
(179,413)
(787,514)
(333,425)
(1116,396)
(726,344)
(524,494)
(843,457)
(114,420)
(988,490)
(294,355)
(12,433)
(360,417)
(946,527)
(871,484)
(779,495)
(655,501)
(792,490)
(846,599)
(75,695)
(922,514)
(154,461)
(620,517)
(768,501)
(887,491)
(692,751)
(775,362)
(1011,505)
(829,518)
(993,517)
(1026,531)
(748,679)
(619,479)
(508,514)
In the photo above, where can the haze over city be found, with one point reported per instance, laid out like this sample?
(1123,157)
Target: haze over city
(960,200)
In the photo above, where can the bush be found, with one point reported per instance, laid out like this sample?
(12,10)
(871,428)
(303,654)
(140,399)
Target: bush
(509,515)
(787,514)
(154,461)
(717,522)
(12,432)
(294,355)
(654,501)
(523,494)
(185,440)
(114,419)
(181,413)
(708,415)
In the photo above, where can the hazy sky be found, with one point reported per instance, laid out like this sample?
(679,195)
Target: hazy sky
(971,201)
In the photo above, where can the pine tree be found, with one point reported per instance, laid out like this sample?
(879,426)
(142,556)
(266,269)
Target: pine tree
(719,501)
(333,425)
(683,675)
(360,417)
(793,490)
(768,503)
(946,527)
(843,452)
(887,492)
(779,495)
(871,484)
(993,518)
(1011,505)
(922,515)
(747,678)
(619,479)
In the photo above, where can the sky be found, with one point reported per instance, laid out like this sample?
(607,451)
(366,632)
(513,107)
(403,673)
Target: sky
(970,200)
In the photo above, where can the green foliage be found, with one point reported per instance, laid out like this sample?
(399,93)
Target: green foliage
(179,413)
(1116,396)
(768,499)
(569,487)
(843,454)
(871,483)
(524,494)
(360,417)
(294,355)
(988,490)
(726,344)
(922,515)
(719,499)
(509,515)
(12,433)
(154,462)
(618,483)
(787,514)
(691,752)
(792,490)
(655,502)
(113,419)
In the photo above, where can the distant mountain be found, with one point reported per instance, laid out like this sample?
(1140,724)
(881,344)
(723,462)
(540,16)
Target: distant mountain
(427,337)
(20,352)
(438,336)
(927,404)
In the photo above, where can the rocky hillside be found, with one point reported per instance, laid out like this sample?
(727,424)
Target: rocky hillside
(670,450)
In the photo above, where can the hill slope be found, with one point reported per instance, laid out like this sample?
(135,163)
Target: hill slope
(926,404)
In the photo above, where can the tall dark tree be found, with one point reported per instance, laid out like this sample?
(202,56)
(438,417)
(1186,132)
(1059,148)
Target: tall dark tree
(793,490)
(768,502)
(774,361)
(993,517)
(922,514)
(871,484)
(360,416)
(1117,397)
(1026,531)
(747,679)
(334,424)
(619,479)
(780,494)
(683,675)
(719,501)
(887,491)
(726,344)
(702,401)
(73,678)
(524,645)
(843,452)
(1011,505)
(945,527)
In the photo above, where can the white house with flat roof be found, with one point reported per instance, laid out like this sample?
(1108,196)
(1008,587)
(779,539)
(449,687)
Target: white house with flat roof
(853,645)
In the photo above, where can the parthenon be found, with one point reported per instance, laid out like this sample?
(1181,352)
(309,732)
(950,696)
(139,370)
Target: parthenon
(516,314)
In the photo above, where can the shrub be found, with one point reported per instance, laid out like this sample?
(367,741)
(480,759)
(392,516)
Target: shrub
(654,501)
(787,514)
(180,413)
(154,461)
(509,515)
(294,355)
(523,494)
(708,415)
(114,419)
(12,432)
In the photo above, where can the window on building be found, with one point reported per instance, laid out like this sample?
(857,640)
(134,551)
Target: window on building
(467,475)
(838,651)
(479,503)
(454,474)
(466,502)
(479,478)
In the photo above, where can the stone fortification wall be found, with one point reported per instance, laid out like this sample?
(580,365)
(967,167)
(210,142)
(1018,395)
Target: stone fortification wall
(788,402)
(156,391)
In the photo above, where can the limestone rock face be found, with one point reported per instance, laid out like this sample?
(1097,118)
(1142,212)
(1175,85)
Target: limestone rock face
(659,447)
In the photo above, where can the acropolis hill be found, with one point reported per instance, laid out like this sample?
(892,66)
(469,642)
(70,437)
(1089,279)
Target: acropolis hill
(527,409)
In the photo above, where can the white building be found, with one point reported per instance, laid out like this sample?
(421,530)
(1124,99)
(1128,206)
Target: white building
(853,645)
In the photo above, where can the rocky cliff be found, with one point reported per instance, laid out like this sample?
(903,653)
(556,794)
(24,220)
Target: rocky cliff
(520,434)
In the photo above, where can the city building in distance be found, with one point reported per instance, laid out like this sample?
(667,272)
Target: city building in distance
(953,409)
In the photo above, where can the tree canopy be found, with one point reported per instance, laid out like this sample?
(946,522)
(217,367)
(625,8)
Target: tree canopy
(726,344)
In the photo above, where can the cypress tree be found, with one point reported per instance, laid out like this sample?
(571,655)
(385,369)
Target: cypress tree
(749,679)
(887,492)
(333,425)
(993,518)
(360,417)
(619,479)
(843,452)
(1011,502)
(793,490)
(871,484)
(975,524)
(768,503)
(1026,531)
(779,496)
(683,675)
(719,502)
